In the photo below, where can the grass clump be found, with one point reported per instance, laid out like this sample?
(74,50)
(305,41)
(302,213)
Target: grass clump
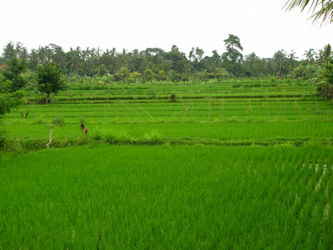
(153,137)
(58,122)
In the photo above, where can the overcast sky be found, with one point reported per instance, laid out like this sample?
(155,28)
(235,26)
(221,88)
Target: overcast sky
(262,25)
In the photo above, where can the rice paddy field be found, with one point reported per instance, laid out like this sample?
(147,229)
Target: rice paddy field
(242,164)
(210,113)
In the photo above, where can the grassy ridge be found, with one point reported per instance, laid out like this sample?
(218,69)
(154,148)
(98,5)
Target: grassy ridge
(123,197)
(225,88)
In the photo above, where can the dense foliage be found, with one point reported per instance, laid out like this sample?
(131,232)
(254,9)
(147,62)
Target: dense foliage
(325,88)
(22,68)
(157,64)
(5,104)
(49,80)
(13,74)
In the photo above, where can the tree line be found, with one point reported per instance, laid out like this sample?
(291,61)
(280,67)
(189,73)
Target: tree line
(157,64)
(46,66)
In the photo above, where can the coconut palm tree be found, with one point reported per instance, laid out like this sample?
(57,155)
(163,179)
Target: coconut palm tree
(321,9)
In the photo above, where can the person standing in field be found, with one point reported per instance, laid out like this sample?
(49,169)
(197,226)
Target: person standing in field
(84,129)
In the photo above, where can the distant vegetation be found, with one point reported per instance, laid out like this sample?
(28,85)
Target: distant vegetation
(20,67)
(157,64)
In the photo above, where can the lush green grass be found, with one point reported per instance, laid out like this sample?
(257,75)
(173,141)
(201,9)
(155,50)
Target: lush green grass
(171,197)
(232,119)
(246,87)
(127,197)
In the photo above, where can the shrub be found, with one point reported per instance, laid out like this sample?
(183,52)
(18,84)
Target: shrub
(153,137)
(2,140)
(82,140)
(305,72)
(327,73)
(148,75)
(173,98)
(7,102)
(161,76)
(5,84)
(118,138)
(97,136)
(134,77)
(111,139)
(58,121)
(325,88)
(122,75)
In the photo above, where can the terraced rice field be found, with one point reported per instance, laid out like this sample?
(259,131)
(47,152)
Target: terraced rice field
(200,112)
(240,165)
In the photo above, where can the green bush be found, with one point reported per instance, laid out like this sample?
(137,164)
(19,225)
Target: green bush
(173,98)
(58,121)
(2,140)
(325,88)
(7,102)
(111,139)
(153,137)
(5,84)
(49,80)
(327,73)
(305,71)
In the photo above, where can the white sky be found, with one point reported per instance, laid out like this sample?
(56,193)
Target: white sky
(262,25)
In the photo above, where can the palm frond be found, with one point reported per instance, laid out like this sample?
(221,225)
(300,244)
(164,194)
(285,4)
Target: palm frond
(325,13)
(321,9)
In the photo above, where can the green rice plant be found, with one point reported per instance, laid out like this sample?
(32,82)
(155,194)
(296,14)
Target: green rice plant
(167,197)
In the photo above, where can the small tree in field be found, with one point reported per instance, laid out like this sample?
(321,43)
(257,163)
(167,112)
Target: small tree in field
(49,80)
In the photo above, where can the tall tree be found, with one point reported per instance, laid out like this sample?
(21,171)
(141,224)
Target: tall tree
(233,57)
(310,56)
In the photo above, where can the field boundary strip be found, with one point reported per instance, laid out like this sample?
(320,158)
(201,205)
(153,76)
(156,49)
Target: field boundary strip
(40,144)
(58,100)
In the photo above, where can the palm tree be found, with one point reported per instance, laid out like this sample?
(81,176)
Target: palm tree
(321,9)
